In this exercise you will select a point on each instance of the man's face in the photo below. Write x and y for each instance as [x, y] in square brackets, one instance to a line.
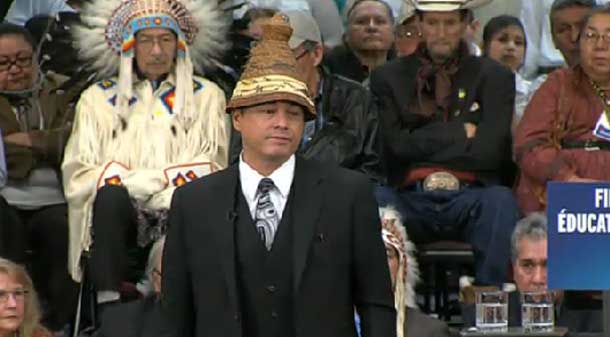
[530, 267]
[308, 61]
[595, 47]
[408, 37]
[155, 52]
[442, 32]
[271, 132]
[566, 24]
[17, 70]
[370, 27]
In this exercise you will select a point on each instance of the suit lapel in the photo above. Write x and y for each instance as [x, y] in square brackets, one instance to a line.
[225, 228]
[306, 204]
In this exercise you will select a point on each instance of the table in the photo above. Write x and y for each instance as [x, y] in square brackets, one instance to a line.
[515, 332]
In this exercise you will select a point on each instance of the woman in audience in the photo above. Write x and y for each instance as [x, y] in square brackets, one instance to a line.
[405, 274]
[35, 119]
[565, 131]
[19, 310]
[504, 41]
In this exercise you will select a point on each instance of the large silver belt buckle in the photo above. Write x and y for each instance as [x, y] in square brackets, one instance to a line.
[441, 181]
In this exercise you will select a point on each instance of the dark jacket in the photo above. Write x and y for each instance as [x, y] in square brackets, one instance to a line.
[342, 61]
[141, 318]
[338, 257]
[419, 324]
[487, 100]
[349, 136]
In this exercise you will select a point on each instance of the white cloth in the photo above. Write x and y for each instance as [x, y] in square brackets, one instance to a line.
[23, 10]
[150, 153]
[524, 90]
[541, 51]
[327, 15]
[282, 178]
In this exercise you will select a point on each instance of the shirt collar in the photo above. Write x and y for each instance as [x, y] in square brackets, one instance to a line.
[282, 177]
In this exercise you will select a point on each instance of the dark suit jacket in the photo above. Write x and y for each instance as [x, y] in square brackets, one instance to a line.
[419, 324]
[338, 257]
[483, 93]
[141, 318]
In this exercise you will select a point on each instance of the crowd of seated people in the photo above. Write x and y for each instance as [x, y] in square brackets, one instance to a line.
[459, 145]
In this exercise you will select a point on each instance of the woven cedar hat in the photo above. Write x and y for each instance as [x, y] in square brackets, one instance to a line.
[271, 74]
[448, 5]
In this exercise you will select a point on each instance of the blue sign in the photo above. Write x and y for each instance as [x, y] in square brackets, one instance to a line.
[579, 236]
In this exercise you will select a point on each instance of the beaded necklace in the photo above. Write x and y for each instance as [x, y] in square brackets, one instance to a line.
[602, 95]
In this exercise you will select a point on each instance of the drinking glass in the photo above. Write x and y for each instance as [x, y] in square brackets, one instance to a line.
[492, 311]
[537, 312]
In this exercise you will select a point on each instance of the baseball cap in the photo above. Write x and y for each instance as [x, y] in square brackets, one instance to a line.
[304, 28]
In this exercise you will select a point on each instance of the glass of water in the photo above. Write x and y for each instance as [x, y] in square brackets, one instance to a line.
[492, 311]
[537, 313]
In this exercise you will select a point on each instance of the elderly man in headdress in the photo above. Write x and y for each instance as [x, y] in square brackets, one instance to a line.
[276, 245]
[446, 117]
[148, 127]
[404, 272]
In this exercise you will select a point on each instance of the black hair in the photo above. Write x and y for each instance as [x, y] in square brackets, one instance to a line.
[12, 29]
[563, 4]
[495, 25]
[356, 3]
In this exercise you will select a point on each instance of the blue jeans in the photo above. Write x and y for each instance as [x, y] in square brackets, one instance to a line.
[482, 216]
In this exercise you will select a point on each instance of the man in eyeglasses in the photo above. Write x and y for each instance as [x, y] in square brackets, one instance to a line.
[345, 130]
[35, 119]
[150, 126]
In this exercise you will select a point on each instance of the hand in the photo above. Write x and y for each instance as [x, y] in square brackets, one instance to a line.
[471, 130]
[576, 179]
[19, 138]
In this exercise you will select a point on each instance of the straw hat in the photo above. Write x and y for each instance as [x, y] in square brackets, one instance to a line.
[271, 72]
[448, 5]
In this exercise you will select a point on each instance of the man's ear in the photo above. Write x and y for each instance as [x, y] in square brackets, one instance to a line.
[318, 54]
[236, 116]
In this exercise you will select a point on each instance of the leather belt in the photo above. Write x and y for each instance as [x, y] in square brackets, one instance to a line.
[587, 145]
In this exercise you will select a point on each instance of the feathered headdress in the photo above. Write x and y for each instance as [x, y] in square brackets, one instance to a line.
[106, 40]
[394, 234]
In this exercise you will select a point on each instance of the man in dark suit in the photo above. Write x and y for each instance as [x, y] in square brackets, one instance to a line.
[446, 118]
[276, 245]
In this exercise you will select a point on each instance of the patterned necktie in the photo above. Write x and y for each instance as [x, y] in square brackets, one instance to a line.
[266, 217]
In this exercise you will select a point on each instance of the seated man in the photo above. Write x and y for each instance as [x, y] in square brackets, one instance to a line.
[144, 317]
[529, 259]
[565, 131]
[138, 136]
[446, 118]
[345, 129]
[368, 40]
[35, 120]
[405, 274]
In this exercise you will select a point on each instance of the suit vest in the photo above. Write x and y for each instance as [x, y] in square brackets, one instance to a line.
[264, 278]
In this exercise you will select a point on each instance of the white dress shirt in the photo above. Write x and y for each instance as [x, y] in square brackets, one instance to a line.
[282, 178]
[23, 10]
